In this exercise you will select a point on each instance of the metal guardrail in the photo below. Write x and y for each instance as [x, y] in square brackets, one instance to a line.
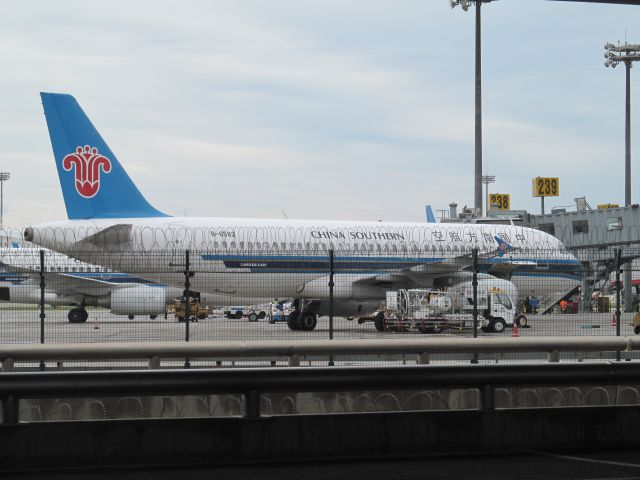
[252, 382]
[155, 353]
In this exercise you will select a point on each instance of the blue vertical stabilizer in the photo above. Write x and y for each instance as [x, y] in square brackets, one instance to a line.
[94, 184]
[431, 218]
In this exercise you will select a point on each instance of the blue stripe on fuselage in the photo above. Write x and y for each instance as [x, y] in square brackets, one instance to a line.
[263, 263]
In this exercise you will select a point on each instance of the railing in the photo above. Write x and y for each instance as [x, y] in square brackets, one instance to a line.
[252, 382]
[155, 353]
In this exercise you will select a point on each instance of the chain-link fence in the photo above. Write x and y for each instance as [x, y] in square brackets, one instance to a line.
[122, 284]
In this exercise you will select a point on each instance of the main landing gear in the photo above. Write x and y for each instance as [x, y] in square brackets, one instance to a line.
[304, 316]
[77, 315]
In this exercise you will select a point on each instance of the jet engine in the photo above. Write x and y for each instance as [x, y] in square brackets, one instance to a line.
[138, 300]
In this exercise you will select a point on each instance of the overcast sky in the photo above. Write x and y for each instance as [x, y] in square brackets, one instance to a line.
[360, 110]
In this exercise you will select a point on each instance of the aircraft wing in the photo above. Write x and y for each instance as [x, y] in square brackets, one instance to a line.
[66, 284]
[61, 283]
[454, 266]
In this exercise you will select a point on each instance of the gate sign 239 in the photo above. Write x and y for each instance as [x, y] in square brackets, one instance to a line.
[545, 187]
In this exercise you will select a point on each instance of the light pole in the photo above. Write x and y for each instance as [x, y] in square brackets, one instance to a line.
[477, 184]
[626, 54]
[614, 55]
[4, 176]
[487, 179]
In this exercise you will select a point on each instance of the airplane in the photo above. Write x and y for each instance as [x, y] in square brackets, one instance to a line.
[253, 261]
[69, 282]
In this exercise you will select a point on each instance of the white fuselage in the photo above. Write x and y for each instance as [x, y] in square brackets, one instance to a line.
[247, 261]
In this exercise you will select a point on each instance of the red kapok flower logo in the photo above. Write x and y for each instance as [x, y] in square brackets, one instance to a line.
[87, 163]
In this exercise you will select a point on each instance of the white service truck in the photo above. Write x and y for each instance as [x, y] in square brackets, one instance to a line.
[436, 311]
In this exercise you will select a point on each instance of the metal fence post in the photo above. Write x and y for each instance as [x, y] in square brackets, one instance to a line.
[252, 405]
[488, 397]
[42, 314]
[331, 285]
[475, 300]
[10, 409]
[187, 299]
[618, 272]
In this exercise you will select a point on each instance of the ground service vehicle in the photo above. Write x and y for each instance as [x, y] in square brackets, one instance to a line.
[253, 315]
[197, 310]
[435, 311]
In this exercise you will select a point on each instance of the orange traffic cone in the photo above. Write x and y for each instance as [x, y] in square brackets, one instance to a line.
[514, 332]
[613, 320]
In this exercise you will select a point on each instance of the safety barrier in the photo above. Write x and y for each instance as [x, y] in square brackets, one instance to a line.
[252, 382]
[155, 353]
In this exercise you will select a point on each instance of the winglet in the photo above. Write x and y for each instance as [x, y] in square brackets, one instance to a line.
[431, 218]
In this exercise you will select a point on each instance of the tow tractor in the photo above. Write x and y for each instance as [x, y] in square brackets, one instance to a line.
[197, 310]
[436, 311]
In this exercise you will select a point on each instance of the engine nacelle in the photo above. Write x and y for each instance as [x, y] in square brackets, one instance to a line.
[138, 300]
[344, 289]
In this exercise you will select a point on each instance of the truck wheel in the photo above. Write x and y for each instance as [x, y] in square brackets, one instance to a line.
[378, 321]
[131, 317]
[521, 320]
[253, 317]
[262, 314]
[636, 329]
[499, 325]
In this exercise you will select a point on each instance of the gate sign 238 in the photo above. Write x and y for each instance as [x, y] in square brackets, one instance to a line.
[545, 187]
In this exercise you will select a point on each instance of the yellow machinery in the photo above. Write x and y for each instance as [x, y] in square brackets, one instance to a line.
[197, 310]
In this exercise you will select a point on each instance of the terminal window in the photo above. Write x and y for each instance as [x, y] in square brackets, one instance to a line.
[549, 228]
[614, 223]
[580, 226]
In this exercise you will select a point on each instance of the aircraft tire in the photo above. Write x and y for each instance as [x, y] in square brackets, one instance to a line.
[292, 320]
[77, 315]
[636, 329]
[131, 317]
[262, 314]
[308, 322]
[153, 317]
[378, 321]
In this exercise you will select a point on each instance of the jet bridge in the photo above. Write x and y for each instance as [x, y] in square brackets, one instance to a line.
[595, 236]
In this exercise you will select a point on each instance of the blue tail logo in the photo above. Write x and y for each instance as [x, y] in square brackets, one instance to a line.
[94, 183]
[503, 247]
